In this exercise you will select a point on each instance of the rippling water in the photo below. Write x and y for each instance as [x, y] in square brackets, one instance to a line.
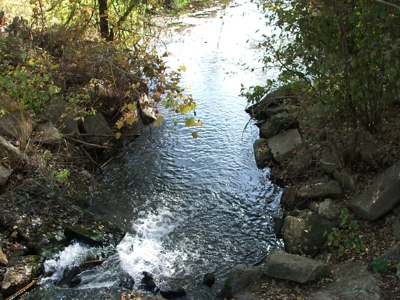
[193, 206]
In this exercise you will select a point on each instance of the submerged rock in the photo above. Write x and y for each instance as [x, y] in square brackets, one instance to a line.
[171, 294]
[209, 279]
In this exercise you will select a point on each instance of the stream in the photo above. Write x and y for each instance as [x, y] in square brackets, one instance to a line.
[191, 206]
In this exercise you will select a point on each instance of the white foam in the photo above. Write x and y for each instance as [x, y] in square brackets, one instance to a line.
[151, 250]
[71, 256]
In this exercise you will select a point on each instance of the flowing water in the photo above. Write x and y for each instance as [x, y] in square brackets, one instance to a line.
[191, 206]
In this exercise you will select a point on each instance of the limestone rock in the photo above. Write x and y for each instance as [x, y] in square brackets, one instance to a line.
[63, 114]
[328, 210]
[353, 281]
[16, 124]
[380, 197]
[47, 134]
[262, 153]
[12, 152]
[96, 126]
[4, 174]
[329, 162]
[283, 144]
[20, 272]
[241, 282]
[346, 180]
[330, 189]
[303, 232]
[276, 124]
[294, 267]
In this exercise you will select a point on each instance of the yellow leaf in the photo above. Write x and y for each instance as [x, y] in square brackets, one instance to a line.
[132, 106]
[158, 122]
[120, 123]
[117, 135]
[199, 123]
[63, 116]
[182, 68]
[130, 119]
[195, 134]
[188, 87]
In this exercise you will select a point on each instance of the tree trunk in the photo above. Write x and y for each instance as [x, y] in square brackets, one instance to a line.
[104, 30]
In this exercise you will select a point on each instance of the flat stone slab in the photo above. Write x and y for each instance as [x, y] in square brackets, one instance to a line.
[330, 189]
[380, 197]
[353, 282]
[283, 144]
[294, 267]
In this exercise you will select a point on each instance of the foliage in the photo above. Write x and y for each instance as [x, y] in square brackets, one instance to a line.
[63, 52]
[380, 265]
[346, 238]
[343, 55]
[62, 175]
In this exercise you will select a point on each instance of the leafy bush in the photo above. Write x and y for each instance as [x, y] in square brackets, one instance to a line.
[346, 238]
[380, 265]
[343, 55]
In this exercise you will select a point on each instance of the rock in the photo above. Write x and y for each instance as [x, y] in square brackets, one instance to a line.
[303, 232]
[171, 294]
[328, 210]
[288, 197]
[294, 267]
[96, 126]
[262, 153]
[147, 109]
[396, 228]
[209, 279]
[380, 197]
[63, 114]
[84, 234]
[314, 206]
[16, 124]
[149, 283]
[20, 272]
[3, 258]
[242, 282]
[278, 224]
[4, 174]
[12, 152]
[283, 144]
[352, 281]
[346, 180]
[127, 281]
[276, 124]
[47, 134]
[330, 189]
[329, 162]
[268, 105]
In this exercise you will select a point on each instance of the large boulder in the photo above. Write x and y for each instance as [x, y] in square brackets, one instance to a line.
[4, 174]
[63, 115]
[294, 267]
[352, 281]
[47, 133]
[268, 106]
[20, 272]
[242, 282]
[97, 128]
[283, 144]
[346, 180]
[330, 189]
[16, 124]
[276, 124]
[262, 153]
[380, 197]
[304, 232]
[10, 151]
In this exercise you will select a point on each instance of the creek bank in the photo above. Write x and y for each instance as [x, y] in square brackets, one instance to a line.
[319, 196]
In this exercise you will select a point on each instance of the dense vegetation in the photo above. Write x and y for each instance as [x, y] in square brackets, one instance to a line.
[97, 54]
[340, 58]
